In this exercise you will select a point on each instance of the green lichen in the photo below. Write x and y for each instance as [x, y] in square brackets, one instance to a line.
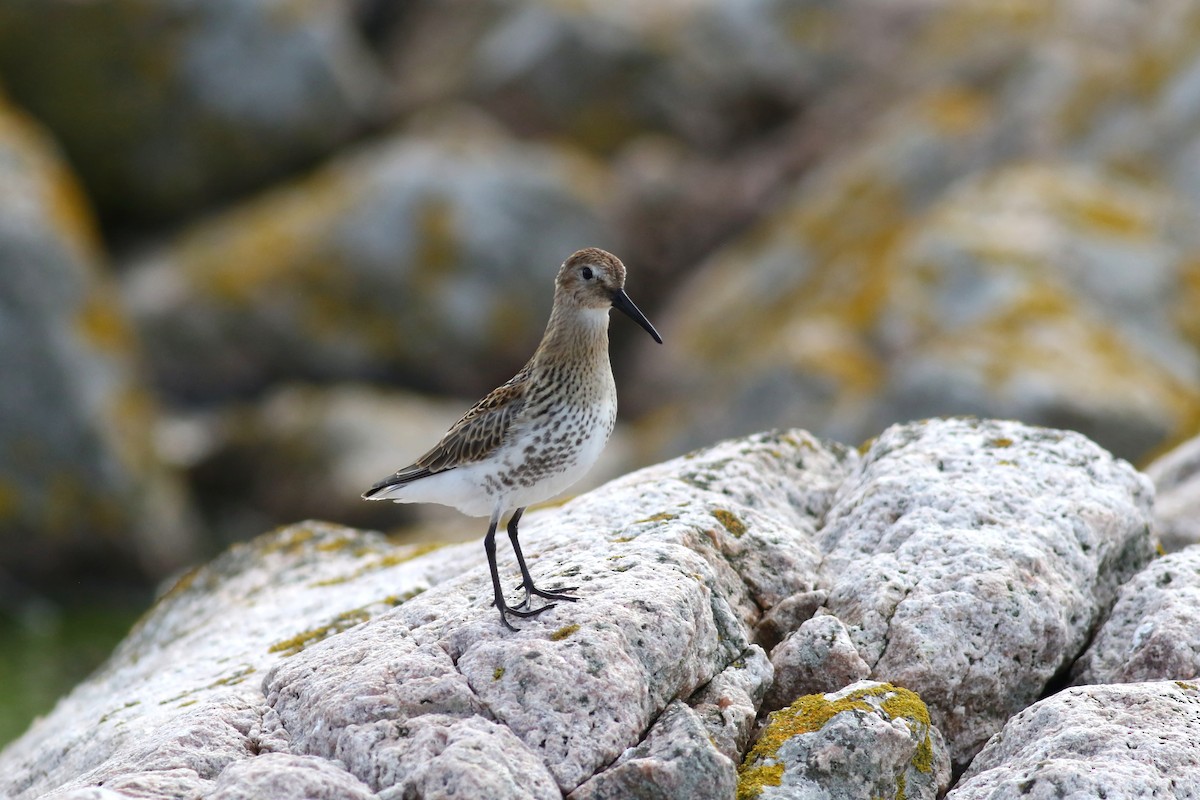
[563, 632]
[810, 713]
[1191, 687]
[342, 622]
[498, 673]
[730, 522]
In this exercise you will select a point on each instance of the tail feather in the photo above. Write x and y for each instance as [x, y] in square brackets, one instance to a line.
[384, 488]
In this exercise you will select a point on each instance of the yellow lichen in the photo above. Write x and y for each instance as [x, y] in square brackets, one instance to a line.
[563, 632]
[811, 713]
[498, 673]
[730, 522]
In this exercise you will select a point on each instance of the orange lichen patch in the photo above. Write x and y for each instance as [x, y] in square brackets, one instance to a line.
[102, 325]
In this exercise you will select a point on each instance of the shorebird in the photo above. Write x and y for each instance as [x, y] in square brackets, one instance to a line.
[531, 438]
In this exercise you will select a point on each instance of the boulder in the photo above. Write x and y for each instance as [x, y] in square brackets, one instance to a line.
[408, 259]
[1125, 740]
[1176, 476]
[165, 106]
[80, 482]
[1153, 630]
[971, 560]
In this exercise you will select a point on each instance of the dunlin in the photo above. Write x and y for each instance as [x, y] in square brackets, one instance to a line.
[531, 438]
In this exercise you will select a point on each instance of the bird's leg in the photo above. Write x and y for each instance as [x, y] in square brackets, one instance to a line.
[489, 547]
[526, 578]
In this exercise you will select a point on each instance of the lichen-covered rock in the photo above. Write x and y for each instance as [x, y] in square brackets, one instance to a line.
[165, 106]
[971, 560]
[409, 258]
[1176, 477]
[1020, 247]
[80, 482]
[819, 657]
[321, 642]
[1153, 631]
[867, 740]
[1126, 740]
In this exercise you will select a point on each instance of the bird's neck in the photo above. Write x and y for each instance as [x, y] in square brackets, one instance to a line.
[577, 335]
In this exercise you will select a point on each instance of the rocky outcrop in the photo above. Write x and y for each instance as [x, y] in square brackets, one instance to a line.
[79, 478]
[965, 561]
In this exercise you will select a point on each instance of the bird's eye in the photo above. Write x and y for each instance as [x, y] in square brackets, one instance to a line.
[586, 272]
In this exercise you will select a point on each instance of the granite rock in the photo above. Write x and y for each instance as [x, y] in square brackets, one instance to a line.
[1153, 630]
[1176, 477]
[818, 657]
[970, 560]
[1125, 740]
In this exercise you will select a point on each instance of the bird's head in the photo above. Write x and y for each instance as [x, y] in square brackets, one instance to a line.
[595, 279]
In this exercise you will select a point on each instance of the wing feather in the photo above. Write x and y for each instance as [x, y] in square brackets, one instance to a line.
[473, 438]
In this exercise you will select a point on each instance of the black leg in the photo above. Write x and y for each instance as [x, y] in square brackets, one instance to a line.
[489, 547]
[526, 578]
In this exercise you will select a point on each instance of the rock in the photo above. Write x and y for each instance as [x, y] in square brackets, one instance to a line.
[1126, 740]
[819, 657]
[310, 451]
[80, 484]
[278, 776]
[166, 106]
[729, 703]
[1176, 477]
[676, 760]
[869, 739]
[392, 667]
[409, 258]
[1153, 631]
[971, 560]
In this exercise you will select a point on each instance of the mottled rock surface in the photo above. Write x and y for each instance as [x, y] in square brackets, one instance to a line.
[1126, 740]
[971, 560]
[819, 657]
[1153, 631]
[869, 739]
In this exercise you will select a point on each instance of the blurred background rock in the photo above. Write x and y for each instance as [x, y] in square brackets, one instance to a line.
[255, 254]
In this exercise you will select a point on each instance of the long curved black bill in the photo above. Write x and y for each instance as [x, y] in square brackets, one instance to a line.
[622, 303]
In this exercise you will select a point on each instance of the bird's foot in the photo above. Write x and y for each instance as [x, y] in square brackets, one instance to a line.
[506, 609]
[531, 590]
